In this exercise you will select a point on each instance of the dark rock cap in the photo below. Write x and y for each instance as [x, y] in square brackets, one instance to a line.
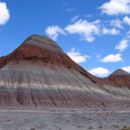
[120, 72]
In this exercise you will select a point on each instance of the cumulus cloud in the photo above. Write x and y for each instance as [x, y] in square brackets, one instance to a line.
[127, 68]
[116, 7]
[54, 31]
[87, 30]
[77, 56]
[126, 20]
[122, 45]
[4, 13]
[116, 23]
[112, 31]
[113, 27]
[112, 58]
[99, 71]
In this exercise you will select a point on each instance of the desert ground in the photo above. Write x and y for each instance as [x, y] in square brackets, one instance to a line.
[63, 120]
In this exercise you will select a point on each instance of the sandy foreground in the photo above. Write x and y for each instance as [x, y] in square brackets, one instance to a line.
[63, 120]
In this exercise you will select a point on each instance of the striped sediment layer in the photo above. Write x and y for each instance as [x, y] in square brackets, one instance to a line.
[39, 74]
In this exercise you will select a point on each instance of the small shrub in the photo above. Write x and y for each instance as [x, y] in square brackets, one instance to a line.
[90, 127]
[32, 129]
[115, 126]
[100, 127]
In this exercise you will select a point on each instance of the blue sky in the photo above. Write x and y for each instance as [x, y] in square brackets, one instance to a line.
[94, 33]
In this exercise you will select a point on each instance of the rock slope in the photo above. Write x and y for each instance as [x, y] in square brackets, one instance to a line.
[38, 74]
[120, 78]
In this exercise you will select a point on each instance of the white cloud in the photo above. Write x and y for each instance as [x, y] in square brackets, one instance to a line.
[112, 27]
[75, 18]
[99, 71]
[87, 30]
[77, 56]
[4, 13]
[116, 23]
[127, 69]
[54, 31]
[112, 31]
[116, 7]
[122, 45]
[126, 20]
[112, 58]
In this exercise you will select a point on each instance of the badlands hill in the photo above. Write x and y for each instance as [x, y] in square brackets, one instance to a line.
[38, 74]
[120, 78]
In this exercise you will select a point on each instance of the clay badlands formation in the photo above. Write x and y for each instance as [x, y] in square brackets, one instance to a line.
[38, 74]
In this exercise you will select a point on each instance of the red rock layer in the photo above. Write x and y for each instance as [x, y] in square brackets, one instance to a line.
[36, 53]
[39, 73]
[118, 81]
[33, 50]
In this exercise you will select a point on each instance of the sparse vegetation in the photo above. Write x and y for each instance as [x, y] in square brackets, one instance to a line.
[90, 127]
[125, 128]
[32, 129]
[100, 127]
[115, 126]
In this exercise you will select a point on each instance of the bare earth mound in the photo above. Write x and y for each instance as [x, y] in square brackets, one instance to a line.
[39, 75]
